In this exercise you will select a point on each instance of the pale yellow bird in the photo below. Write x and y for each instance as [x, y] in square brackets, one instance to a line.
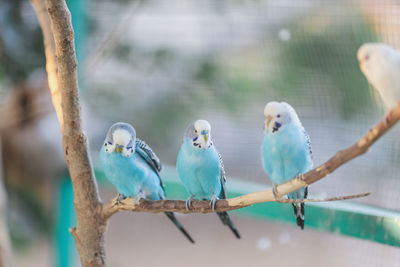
[380, 63]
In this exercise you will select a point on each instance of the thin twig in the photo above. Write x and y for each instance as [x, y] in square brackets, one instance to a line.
[110, 40]
[75, 235]
[303, 200]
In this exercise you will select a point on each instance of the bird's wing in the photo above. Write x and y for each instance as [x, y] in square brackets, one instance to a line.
[308, 142]
[222, 177]
[149, 156]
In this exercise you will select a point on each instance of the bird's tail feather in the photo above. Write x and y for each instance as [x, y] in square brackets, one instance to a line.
[172, 217]
[299, 210]
[226, 220]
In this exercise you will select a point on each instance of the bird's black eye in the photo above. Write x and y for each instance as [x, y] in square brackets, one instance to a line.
[195, 131]
[279, 115]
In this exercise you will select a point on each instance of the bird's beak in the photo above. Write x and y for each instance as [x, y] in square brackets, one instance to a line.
[118, 148]
[205, 137]
[360, 62]
[268, 119]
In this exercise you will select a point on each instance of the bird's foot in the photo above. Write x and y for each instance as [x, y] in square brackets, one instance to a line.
[138, 197]
[189, 202]
[275, 192]
[299, 177]
[120, 197]
[213, 200]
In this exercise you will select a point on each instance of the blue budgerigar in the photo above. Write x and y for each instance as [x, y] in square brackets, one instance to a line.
[133, 168]
[201, 169]
[286, 150]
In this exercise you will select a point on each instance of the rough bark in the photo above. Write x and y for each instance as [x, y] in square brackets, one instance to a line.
[50, 53]
[62, 65]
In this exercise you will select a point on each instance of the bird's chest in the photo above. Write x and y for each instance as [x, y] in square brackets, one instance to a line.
[202, 164]
[120, 169]
[281, 145]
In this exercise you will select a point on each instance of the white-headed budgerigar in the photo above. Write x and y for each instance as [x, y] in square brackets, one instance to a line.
[286, 150]
[380, 63]
[133, 168]
[201, 169]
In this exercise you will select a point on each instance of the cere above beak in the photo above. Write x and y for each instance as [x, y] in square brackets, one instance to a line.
[205, 135]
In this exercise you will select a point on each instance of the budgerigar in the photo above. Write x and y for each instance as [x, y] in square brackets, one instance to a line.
[286, 150]
[133, 168]
[380, 63]
[201, 169]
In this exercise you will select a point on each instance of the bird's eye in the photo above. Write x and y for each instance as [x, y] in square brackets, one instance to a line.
[279, 115]
[366, 57]
[195, 131]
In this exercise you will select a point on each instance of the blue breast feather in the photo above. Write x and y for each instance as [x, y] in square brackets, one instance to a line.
[130, 175]
[286, 154]
[199, 170]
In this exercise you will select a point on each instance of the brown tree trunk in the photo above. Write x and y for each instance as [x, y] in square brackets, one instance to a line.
[63, 82]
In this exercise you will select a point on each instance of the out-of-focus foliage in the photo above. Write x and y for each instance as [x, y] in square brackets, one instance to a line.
[327, 53]
[21, 43]
[28, 219]
[315, 59]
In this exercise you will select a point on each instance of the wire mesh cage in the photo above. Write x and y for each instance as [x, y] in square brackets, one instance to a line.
[160, 65]
[224, 61]
[165, 64]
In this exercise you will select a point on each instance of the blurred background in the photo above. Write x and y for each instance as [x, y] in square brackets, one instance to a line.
[160, 65]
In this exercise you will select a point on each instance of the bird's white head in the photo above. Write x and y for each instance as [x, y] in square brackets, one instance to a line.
[278, 115]
[375, 60]
[121, 138]
[199, 133]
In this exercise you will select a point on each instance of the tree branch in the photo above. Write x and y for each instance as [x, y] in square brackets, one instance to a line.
[303, 200]
[50, 52]
[200, 206]
[89, 232]
[341, 157]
